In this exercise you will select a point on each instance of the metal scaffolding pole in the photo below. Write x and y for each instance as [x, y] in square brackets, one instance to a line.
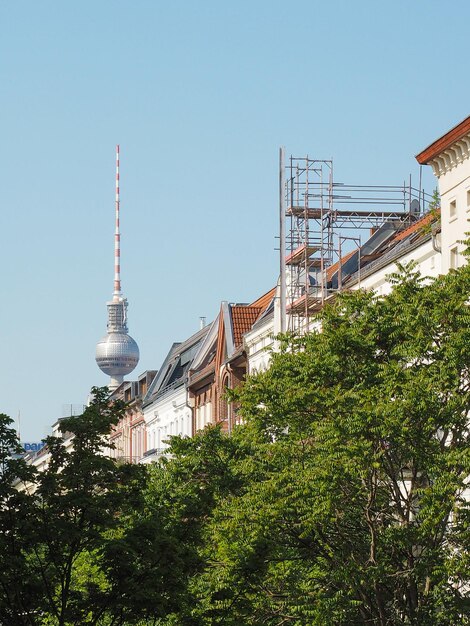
[282, 241]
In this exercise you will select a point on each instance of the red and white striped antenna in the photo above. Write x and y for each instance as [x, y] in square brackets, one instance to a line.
[117, 238]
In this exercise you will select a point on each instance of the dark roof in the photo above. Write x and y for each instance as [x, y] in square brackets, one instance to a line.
[382, 248]
[402, 241]
[175, 367]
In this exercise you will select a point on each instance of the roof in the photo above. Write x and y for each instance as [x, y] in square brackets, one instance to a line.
[176, 365]
[421, 223]
[402, 242]
[385, 246]
[335, 267]
[444, 142]
[367, 252]
[226, 336]
[243, 318]
[206, 351]
[265, 300]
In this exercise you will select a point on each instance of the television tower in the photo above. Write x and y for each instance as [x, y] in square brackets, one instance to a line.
[117, 354]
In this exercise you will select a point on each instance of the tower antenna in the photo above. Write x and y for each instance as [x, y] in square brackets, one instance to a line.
[117, 238]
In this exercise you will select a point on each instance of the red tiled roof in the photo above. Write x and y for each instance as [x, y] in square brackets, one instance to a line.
[444, 142]
[264, 301]
[421, 223]
[243, 318]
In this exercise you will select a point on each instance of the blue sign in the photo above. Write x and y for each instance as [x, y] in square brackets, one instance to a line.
[32, 447]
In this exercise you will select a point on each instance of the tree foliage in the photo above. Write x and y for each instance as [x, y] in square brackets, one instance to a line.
[81, 499]
[19, 584]
[62, 523]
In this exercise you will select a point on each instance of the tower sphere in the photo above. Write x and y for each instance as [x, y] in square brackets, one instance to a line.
[117, 354]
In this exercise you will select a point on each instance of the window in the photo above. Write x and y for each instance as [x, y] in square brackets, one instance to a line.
[454, 258]
[453, 209]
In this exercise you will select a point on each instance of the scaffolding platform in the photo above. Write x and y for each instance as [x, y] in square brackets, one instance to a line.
[309, 304]
[301, 211]
[301, 254]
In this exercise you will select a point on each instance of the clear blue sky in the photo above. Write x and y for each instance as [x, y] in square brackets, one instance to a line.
[200, 95]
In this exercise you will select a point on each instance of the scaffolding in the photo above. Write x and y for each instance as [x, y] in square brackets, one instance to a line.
[319, 220]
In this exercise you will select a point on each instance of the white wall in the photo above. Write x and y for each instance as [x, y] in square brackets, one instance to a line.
[454, 188]
[427, 262]
[167, 415]
[203, 415]
[256, 341]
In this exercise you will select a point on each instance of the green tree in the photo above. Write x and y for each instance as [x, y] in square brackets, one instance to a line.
[93, 542]
[20, 589]
[353, 509]
[82, 498]
[183, 493]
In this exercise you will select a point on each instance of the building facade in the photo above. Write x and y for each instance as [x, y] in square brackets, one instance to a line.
[221, 364]
[128, 439]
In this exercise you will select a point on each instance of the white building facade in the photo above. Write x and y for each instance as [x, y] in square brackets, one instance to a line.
[449, 157]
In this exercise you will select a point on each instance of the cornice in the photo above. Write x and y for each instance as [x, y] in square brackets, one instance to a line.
[449, 150]
[451, 157]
